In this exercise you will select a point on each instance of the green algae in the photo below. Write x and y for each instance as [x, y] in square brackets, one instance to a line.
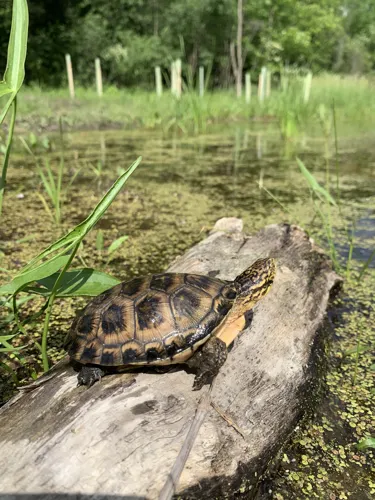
[183, 186]
[323, 459]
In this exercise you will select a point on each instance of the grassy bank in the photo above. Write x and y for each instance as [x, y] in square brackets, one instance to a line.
[353, 100]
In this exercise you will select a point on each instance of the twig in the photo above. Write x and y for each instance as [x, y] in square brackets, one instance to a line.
[228, 420]
[170, 484]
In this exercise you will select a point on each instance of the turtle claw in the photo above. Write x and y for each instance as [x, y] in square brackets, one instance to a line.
[207, 362]
[89, 375]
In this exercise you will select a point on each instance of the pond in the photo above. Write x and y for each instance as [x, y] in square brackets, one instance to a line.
[184, 184]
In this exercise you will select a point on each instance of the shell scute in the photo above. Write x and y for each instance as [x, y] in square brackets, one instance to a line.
[91, 352]
[134, 287]
[154, 351]
[167, 282]
[131, 351]
[116, 324]
[111, 355]
[86, 324]
[189, 306]
[153, 317]
[113, 319]
[205, 284]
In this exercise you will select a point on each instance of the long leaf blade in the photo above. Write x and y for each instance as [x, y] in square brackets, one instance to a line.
[4, 338]
[42, 271]
[313, 183]
[7, 106]
[4, 89]
[17, 47]
[76, 283]
[105, 202]
[80, 231]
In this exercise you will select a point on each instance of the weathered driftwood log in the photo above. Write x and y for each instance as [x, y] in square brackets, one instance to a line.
[122, 436]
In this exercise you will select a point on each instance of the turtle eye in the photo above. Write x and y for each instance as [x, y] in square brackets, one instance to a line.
[230, 294]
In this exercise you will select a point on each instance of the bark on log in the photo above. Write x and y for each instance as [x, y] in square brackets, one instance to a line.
[122, 436]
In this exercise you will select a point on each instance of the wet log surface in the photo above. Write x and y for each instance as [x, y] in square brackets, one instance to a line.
[123, 435]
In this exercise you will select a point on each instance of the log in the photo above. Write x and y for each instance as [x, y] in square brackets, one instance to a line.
[123, 435]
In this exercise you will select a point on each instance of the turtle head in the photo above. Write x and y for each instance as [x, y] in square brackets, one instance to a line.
[255, 282]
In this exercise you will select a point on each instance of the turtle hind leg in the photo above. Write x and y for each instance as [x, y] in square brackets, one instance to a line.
[89, 375]
[207, 361]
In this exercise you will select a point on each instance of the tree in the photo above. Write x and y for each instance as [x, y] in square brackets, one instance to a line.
[131, 36]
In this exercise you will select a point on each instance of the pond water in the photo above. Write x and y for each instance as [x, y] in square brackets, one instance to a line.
[184, 184]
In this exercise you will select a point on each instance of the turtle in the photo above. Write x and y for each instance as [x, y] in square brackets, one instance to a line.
[165, 319]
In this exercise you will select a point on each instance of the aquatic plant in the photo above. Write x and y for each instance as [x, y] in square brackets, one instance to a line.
[37, 142]
[322, 199]
[48, 273]
[365, 443]
[192, 114]
[52, 185]
[113, 247]
[98, 169]
[13, 78]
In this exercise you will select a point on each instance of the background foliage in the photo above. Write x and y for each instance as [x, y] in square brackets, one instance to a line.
[132, 36]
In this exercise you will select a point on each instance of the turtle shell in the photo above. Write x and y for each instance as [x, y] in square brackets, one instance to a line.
[158, 319]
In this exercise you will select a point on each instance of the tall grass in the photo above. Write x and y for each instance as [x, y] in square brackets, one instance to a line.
[9, 86]
[52, 182]
[354, 103]
[13, 78]
[323, 200]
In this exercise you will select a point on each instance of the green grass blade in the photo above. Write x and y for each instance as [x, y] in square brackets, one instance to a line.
[20, 301]
[284, 207]
[73, 178]
[116, 244]
[45, 205]
[99, 210]
[319, 190]
[99, 243]
[45, 182]
[11, 349]
[6, 107]
[328, 230]
[366, 264]
[27, 147]
[4, 338]
[52, 185]
[357, 349]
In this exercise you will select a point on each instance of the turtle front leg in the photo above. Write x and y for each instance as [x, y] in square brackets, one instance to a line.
[89, 375]
[207, 361]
